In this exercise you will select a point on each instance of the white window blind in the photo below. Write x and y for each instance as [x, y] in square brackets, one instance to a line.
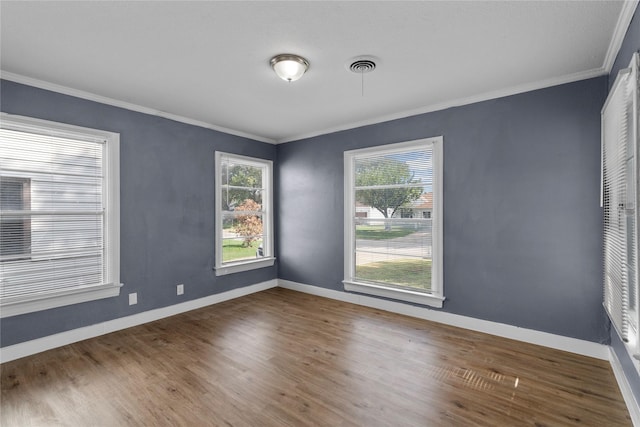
[393, 221]
[619, 198]
[54, 217]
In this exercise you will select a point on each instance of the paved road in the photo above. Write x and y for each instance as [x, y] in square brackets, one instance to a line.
[416, 245]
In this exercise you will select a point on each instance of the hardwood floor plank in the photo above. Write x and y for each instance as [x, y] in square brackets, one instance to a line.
[283, 358]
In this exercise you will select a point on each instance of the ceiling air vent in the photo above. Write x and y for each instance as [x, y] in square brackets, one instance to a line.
[361, 66]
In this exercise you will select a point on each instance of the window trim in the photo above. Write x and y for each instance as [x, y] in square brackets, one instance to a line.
[436, 297]
[111, 202]
[221, 268]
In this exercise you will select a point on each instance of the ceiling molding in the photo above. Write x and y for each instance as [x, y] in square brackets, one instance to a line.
[624, 19]
[41, 84]
[501, 93]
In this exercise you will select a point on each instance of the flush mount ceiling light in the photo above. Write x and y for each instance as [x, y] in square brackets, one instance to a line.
[289, 67]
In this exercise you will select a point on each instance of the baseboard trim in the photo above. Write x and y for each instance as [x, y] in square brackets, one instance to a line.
[573, 345]
[29, 348]
[545, 339]
[625, 388]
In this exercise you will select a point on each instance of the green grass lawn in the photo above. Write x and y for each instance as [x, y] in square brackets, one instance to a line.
[378, 232]
[232, 250]
[414, 273]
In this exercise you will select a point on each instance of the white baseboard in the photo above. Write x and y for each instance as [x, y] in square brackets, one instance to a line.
[545, 339]
[28, 348]
[625, 388]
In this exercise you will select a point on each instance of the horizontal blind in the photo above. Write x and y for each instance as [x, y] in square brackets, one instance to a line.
[393, 221]
[51, 213]
[619, 201]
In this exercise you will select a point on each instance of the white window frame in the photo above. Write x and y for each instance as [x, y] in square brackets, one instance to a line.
[111, 202]
[436, 297]
[223, 268]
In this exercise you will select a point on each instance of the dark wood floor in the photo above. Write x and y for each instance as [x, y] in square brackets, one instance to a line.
[283, 358]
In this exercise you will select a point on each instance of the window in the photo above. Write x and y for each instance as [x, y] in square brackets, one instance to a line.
[406, 213]
[620, 121]
[15, 232]
[396, 252]
[244, 219]
[59, 215]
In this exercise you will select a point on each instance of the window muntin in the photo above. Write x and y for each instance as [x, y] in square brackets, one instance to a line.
[393, 221]
[67, 249]
[243, 213]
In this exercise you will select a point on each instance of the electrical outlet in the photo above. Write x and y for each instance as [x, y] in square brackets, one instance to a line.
[133, 298]
[180, 289]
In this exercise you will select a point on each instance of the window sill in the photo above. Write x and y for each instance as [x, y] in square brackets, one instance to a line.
[15, 306]
[237, 267]
[393, 293]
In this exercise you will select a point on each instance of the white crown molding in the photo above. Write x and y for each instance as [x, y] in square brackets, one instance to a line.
[544, 339]
[528, 87]
[28, 348]
[624, 19]
[625, 388]
[500, 93]
[41, 84]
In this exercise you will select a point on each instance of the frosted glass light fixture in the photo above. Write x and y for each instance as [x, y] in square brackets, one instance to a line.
[289, 67]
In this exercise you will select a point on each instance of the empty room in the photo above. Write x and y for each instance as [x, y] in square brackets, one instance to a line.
[319, 213]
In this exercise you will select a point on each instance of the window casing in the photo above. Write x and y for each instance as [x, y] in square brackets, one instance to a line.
[59, 215]
[244, 213]
[395, 251]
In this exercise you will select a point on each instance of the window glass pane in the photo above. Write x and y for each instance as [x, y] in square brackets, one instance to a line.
[394, 270]
[401, 202]
[412, 167]
[394, 252]
[241, 199]
[66, 235]
[403, 237]
[631, 261]
[241, 175]
[242, 237]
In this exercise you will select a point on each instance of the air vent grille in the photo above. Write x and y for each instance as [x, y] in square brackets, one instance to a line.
[362, 66]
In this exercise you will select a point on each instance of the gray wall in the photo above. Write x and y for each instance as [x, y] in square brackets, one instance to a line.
[630, 45]
[166, 215]
[522, 222]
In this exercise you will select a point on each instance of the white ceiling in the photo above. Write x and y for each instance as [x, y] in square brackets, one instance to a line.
[207, 62]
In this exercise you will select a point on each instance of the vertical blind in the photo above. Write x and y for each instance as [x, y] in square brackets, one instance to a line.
[393, 196]
[51, 214]
[619, 175]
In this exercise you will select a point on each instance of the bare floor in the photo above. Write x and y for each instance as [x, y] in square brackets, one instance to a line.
[283, 358]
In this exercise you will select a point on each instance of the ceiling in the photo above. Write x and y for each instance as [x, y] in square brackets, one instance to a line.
[207, 62]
